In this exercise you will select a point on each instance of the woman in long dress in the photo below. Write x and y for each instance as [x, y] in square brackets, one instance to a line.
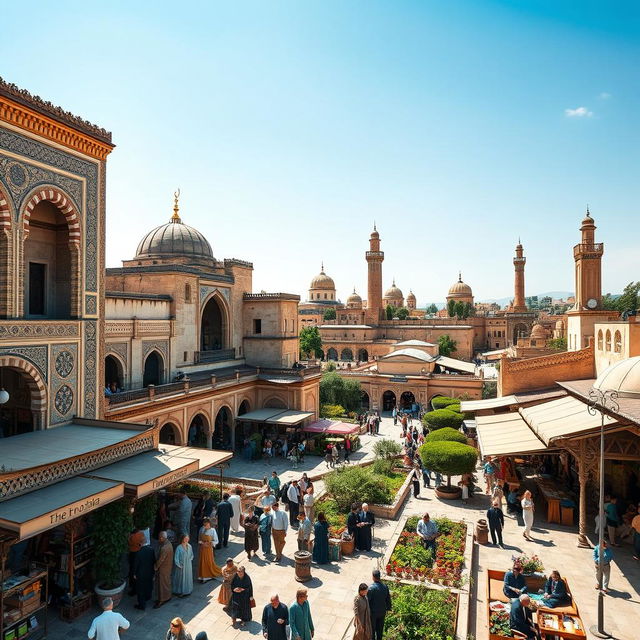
[228, 572]
[183, 575]
[207, 540]
[321, 540]
[264, 529]
[250, 524]
[527, 513]
[241, 594]
[362, 615]
[236, 502]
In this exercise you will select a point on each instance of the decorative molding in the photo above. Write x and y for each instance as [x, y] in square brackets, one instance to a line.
[64, 373]
[90, 371]
[162, 346]
[118, 328]
[64, 399]
[207, 290]
[90, 305]
[37, 355]
[544, 362]
[38, 329]
[121, 349]
[64, 363]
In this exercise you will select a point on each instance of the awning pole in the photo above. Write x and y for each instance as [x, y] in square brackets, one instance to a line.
[220, 482]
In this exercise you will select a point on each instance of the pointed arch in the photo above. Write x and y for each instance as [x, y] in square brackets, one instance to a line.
[6, 255]
[215, 323]
[35, 383]
[153, 370]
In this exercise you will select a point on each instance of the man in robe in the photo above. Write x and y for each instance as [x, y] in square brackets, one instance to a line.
[366, 520]
[352, 526]
[224, 514]
[164, 567]
[181, 509]
[143, 571]
[275, 618]
[300, 621]
[235, 501]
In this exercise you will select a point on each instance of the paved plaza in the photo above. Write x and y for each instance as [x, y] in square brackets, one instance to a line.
[333, 586]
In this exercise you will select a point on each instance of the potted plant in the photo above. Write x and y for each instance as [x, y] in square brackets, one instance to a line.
[111, 526]
[448, 458]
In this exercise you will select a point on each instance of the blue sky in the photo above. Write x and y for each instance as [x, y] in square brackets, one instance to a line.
[291, 126]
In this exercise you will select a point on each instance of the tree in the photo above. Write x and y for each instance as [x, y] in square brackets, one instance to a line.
[459, 309]
[432, 309]
[310, 342]
[386, 449]
[448, 458]
[559, 344]
[329, 314]
[335, 390]
[446, 346]
[390, 311]
[442, 402]
[352, 395]
[402, 313]
[469, 310]
[628, 301]
[442, 418]
[451, 307]
[446, 434]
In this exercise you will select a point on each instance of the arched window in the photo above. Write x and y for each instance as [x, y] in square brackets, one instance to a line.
[599, 340]
[153, 369]
[213, 327]
[608, 341]
[187, 293]
[113, 375]
[617, 342]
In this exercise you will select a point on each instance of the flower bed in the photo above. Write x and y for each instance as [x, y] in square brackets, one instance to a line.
[420, 613]
[335, 517]
[411, 561]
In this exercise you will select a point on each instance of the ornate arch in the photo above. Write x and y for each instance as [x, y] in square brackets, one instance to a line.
[225, 312]
[277, 397]
[239, 402]
[207, 419]
[177, 430]
[6, 255]
[119, 358]
[66, 206]
[36, 384]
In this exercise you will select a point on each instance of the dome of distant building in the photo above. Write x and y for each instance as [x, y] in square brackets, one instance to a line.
[174, 239]
[538, 331]
[459, 288]
[322, 281]
[354, 298]
[411, 296]
[393, 292]
[623, 377]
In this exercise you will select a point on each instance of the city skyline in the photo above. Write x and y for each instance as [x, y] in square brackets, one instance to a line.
[457, 129]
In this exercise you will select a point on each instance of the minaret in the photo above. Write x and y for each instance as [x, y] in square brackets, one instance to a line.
[374, 288]
[588, 258]
[519, 305]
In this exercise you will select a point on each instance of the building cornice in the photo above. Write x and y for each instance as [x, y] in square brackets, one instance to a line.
[30, 113]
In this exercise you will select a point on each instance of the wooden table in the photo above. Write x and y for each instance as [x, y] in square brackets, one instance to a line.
[552, 496]
[548, 630]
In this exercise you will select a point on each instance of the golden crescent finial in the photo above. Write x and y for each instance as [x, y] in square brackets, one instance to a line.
[176, 216]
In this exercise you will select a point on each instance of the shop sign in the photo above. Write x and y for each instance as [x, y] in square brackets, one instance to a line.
[169, 478]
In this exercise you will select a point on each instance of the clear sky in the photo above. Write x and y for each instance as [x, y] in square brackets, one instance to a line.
[291, 126]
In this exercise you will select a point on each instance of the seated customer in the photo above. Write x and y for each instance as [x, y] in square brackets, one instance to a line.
[555, 592]
[514, 584]
[520, 617]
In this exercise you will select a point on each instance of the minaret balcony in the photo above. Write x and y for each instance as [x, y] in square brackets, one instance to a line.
[375, 255]
[595, 250]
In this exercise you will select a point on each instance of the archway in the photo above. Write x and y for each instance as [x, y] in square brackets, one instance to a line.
[6, 246]
[113, 374]
[519, 331]
[25, 410]
[332, 354]
[212, 326]
[222, 433]
[243, 430]
[388, 400]
[153, 369]
[320, 354]
[346, 354]
[244, 408]
[363, 355]
[275, 403]
[169, 434]
[365, 401]
[406, 400]
[198, 430]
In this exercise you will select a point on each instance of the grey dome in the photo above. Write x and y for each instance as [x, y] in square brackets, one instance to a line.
[174, 239]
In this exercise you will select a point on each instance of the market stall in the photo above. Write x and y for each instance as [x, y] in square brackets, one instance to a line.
[321, 432]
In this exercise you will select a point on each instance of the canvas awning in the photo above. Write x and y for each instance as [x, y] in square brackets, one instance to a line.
[290, 417]
[489, 403]
[206, 457]
[35, 512]
[329, 427]
[506, 434]
[560, 418]
[459, 365]
[259, 415]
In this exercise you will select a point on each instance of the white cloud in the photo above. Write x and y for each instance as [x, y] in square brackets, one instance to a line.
[579, 112]
[604, 95]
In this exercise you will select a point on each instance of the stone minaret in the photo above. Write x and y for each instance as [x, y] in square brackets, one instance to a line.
[588, 257]
[519, 305]
[374, 289]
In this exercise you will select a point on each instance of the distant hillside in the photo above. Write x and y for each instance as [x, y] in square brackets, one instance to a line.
[555, 295]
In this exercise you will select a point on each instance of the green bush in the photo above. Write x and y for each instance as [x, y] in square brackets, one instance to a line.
[442, 402]
[448, 458]
[419, 613]
[144, 511]
[386, 449]
[331, 410]
[355, 484]
[446, 434]
[111, 526]
[442, 418]
[336, 517]
[382, 467]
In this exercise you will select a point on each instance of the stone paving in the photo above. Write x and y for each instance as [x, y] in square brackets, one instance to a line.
[333, 586]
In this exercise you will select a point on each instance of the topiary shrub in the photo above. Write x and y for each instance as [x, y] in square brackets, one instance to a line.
[448, 458]
[386, 449]
[144, 511]
[111, 526]
[446, 434]
[442, 402]
[355, 484]
[442, 418]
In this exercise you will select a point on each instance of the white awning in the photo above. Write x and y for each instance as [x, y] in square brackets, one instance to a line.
[564, 417]
[489, 403]
[206, 457]
[506, 434]
[290, 417]
[452, 363]
[259, 415]
[57, 504]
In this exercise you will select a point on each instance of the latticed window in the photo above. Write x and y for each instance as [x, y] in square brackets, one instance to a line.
[600, 340]
[617, 342]
[608, 341]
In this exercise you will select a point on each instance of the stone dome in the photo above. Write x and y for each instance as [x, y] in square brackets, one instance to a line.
[174, 239]
[393, 292]
[538, 331]
[411, 296]
[460, 288]
[323, 281]
[622, 376]
[354, 298]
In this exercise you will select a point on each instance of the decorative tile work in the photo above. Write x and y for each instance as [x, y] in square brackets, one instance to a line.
[90, 305]
[64, 399]
[37, 355]
[90, 354]
[31, 329]
[206, 290]
[64, 363]
[120, 349]
[64, 373]
[159, 345]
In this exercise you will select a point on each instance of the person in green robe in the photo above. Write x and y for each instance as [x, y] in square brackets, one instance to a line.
[321, 540]
[300, 621]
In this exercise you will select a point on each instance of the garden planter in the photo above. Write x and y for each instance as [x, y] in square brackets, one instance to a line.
[482, 531]
[448, 493]
[348, 545]
[114, 594]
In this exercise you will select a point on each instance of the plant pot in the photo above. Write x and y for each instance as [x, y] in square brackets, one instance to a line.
[114, 594]
[348, 546]
[448, 493]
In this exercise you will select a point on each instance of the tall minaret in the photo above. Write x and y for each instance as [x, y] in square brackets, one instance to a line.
[588, 257]
[519, 305]
[374, 288]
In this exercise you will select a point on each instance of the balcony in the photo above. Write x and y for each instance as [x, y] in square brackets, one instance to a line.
[596, 248]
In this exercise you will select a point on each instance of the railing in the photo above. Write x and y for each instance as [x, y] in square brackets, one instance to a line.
[295, 373]
[597, 247]
[216, 355]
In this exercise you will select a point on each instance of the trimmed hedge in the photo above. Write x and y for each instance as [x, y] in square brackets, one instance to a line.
[442, 402]
[442, 418]
[448, 458]
[446, 434]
